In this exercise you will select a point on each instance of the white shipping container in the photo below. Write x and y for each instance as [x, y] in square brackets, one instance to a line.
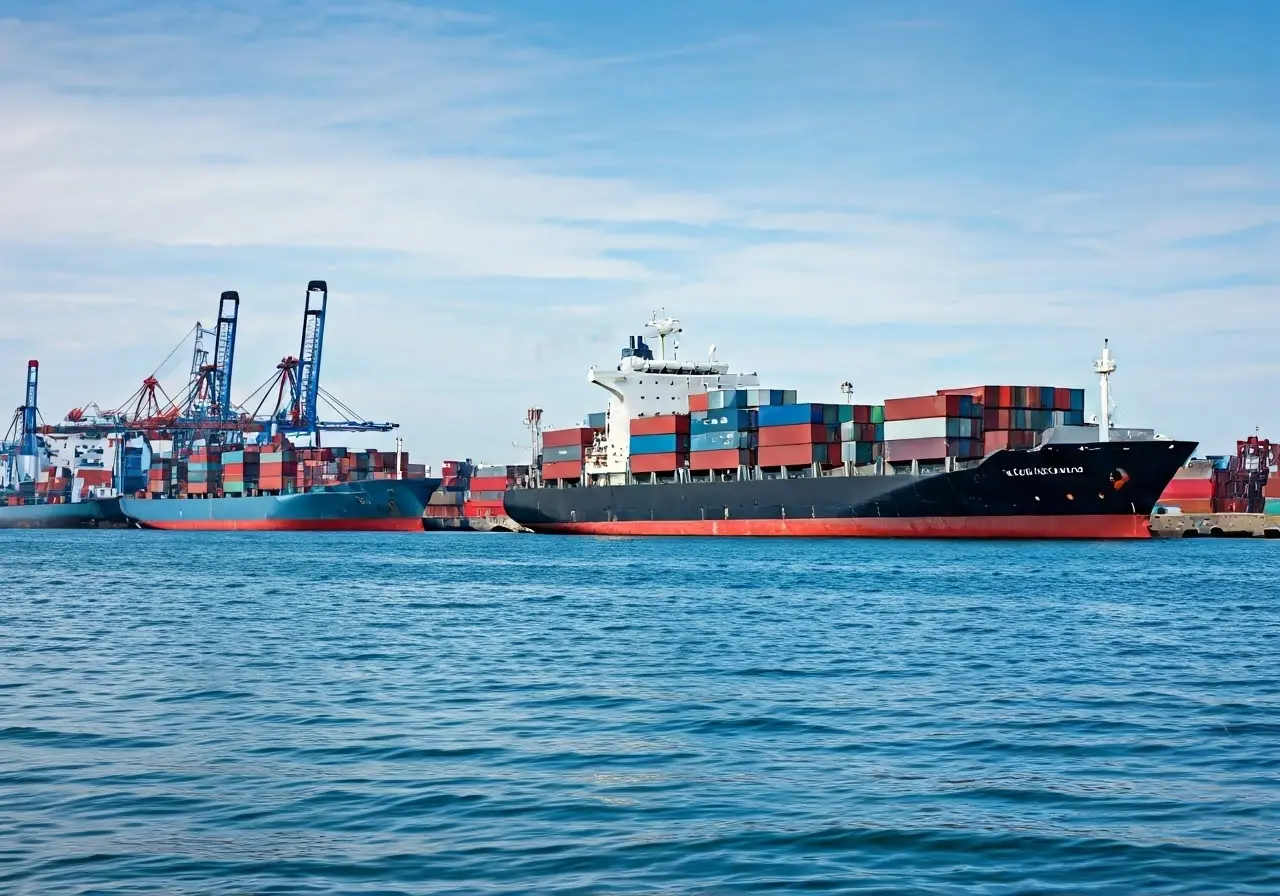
[931, 428]
[921, 428]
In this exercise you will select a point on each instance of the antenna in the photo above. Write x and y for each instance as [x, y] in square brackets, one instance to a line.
[711, 354]
[1104, 367]
[533, 422]
[664, 327]
[846, 389]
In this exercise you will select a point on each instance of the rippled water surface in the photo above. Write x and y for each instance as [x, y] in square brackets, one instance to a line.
[288, 713]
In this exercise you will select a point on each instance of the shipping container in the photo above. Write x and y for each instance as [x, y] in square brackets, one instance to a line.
[795, 414]
[663, 424]
[725, 459]
[953, 405]
[698, 401]
[489, 483]
[793, 455]
[669, 443]
[1002, 439]
[597, 420]
[931, 449]
[569, 469]
[720, 441]
[933, 428]
[658, 463]
[568, 452]
[798, 434]
[859, 452]
[1187, 489]
[726, 420]
[861, 432]
[1271, 506]
[555, 438]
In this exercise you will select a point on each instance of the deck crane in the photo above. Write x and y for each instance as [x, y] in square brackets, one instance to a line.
[296, 383]
[209, 394]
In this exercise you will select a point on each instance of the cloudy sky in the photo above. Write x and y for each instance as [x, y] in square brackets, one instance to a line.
[907, 195]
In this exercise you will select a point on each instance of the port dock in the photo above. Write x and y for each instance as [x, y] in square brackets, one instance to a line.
[1215, 525]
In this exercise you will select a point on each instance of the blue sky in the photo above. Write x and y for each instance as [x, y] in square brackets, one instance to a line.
[905, 195]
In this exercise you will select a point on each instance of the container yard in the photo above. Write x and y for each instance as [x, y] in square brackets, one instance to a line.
[202, 461]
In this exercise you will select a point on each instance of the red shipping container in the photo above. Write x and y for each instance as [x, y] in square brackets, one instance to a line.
[793, 455]
[564, 469]
[723, 459]
[657, 463]
[489, 483]
[700, 401]
[563, 438]
[796, 434]
[1187, 489]
[922, 406]
[443, 511]
[988, 396]
[665, 424]
[1272, 488]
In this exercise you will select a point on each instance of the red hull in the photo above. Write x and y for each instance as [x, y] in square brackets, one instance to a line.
[410, 524]
[1082, 526]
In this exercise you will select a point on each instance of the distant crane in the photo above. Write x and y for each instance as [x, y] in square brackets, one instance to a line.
[23, 448]
[296, 383]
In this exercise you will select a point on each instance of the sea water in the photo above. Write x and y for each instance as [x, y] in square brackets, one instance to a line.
[452, 713]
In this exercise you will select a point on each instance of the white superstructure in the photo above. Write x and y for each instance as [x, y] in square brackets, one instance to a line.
[644, 386]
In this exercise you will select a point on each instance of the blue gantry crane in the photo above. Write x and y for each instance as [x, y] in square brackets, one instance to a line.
[20, 445]
[296, 384]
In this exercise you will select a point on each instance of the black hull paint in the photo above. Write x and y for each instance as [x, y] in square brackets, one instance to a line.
[92, 514]
[1053, 489]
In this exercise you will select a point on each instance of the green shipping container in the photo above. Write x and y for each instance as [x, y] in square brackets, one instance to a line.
[877, 413]
[1271, 507]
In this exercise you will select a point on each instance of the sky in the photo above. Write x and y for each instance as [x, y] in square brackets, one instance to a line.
[905, 195]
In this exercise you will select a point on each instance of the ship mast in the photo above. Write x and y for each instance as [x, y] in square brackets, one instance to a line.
[1104, 367]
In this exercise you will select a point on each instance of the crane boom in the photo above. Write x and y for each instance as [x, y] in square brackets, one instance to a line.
[224, 351]
[306, 395]
[28, 411]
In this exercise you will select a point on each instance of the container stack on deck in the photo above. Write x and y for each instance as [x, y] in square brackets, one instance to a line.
[240, 471]
[932, 428]
[659, 444]
[564, 451]
[1191, 490]
[799, 435]
[204, 472]
[446, 502]
[861, 433]
[489, 486]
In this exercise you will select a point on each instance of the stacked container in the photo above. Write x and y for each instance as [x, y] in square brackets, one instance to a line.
[1015, 416]
[204, 471]
[446, 502]
[799, 435]
[1191, 489]
[159, 476]
[932, 428]
[861, 433]
[659, 444]
[240, 471]
[563, 452]
[489, 486]
[723, 439]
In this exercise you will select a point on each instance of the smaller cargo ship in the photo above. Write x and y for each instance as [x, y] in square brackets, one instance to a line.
[374, 506]
[281, 487]
[50, 482]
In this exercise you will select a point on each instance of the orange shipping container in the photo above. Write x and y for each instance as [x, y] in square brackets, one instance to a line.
[723, 459]
[700, 401]
[657, 463]
[563, 438]
[565, 469]
[796, 434]
[664, 424]
[922, 406]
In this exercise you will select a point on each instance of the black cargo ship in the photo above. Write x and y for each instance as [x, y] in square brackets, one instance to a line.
[1092, 490]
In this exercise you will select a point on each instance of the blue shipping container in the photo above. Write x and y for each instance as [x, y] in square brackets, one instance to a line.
[566, 452]
[724, 420]
[792, 414]
[1077, 400]
[718, 441]
[596, 421]
[659, 444]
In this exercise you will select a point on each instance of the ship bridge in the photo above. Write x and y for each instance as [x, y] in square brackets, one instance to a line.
[643, 386]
